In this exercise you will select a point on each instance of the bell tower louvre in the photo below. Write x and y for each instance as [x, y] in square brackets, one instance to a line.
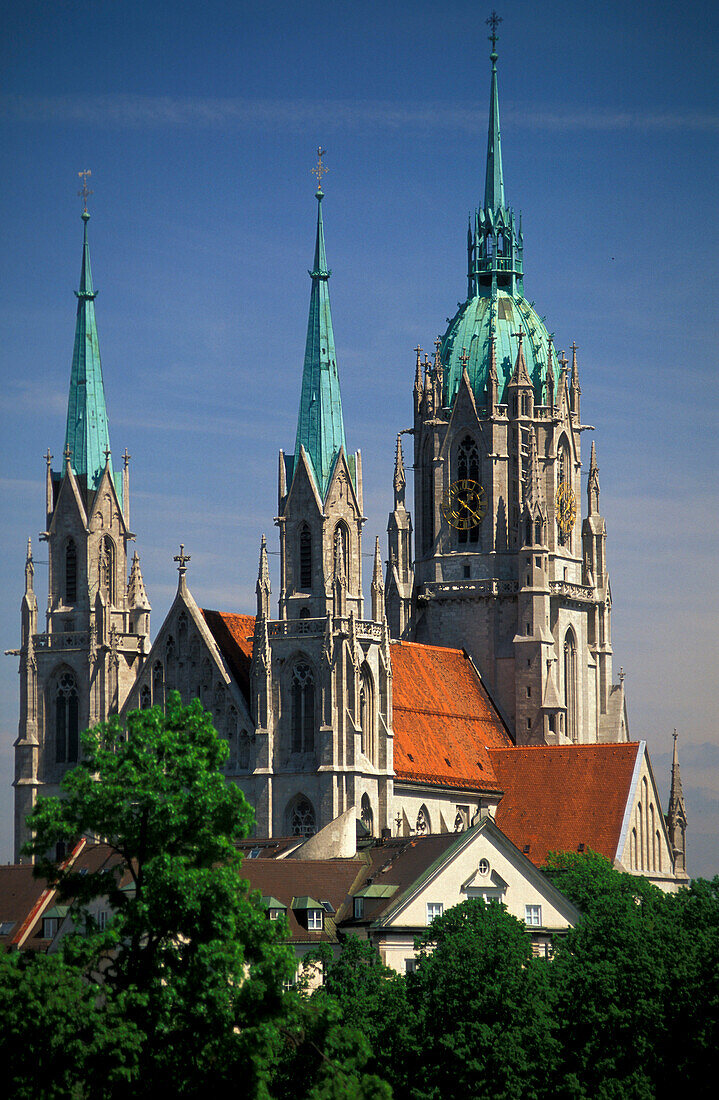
[505, 566]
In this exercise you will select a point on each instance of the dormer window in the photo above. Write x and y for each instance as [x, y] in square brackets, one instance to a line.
[273, 906]
[309, 913]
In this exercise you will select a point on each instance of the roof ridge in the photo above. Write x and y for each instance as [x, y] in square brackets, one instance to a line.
[555, 748]
[425, 645]
[440, 713]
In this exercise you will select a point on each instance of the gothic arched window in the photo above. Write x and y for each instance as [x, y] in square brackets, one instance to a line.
[366, 815]
[300, 817]
[170, 647]
[570, 685]
[305, 558]
[182, 633]
[340, 548]
[107, 568]
[243, 751]
[303, 709]
[423, 826]
[145, 699]
[158, 684]
[67, 714]
[468, 470]
[367, 709]
[70, 572]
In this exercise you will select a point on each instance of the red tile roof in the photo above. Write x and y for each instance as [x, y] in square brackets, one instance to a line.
[234, 635]
[557, 797]
[444, 721]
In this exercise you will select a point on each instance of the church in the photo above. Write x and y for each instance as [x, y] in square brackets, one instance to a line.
[479, 681]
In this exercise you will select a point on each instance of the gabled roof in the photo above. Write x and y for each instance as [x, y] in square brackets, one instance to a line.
[19, 894]
[444, 721]
[557, 797]
[234, 635]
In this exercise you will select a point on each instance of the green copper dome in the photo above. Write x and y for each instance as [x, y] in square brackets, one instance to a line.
[495, 304]
[468, 340]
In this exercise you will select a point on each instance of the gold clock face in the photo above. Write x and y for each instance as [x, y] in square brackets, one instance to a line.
[465, 504]
[566, 508]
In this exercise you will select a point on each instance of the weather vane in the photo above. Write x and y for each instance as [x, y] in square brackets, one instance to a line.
[320, 170]
[493, 22]
[84, 191]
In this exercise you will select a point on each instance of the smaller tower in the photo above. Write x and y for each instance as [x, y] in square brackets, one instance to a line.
[677, 816]
[80, 670]
[400, 574]
[321, 677]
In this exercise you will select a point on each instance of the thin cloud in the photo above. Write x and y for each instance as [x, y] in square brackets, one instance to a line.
[155, 112]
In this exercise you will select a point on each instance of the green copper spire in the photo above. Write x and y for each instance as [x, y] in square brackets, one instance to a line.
[494, 179]
[87, 438]
[320, 428]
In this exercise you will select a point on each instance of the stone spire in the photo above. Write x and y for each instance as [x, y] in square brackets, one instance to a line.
[87, 437]
[29, 570]
[263, 583]
[550, 372]
[593, 484]
[378, 611]
[320, 428]
[400, 478]
[677, 814]
[136, 593]
[575, 389]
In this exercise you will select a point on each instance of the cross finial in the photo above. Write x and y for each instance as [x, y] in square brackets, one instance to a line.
[320, 170]
[67, 455]
[464, 358]
[48, 457]
[519, 335]
[675, 733]
[493, 22]
[84, 191]
[621, 675]
[107, 453]
[182, 558]
[563, 361]
[126, 457]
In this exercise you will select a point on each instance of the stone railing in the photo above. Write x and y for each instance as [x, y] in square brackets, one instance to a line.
[572, 591]
[68, 639]
[295, 628]
[301, 628]
[460, 589]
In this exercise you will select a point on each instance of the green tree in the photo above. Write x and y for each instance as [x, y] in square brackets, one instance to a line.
[57, 1035]
[188, 958]
[637, 983]
[481, 1001]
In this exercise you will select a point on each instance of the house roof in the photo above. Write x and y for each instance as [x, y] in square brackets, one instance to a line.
[292, 880]
[557, 797]
[444, 721]
[19, 895]
[234, 635]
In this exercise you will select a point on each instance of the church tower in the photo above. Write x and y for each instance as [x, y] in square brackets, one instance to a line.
[97, 627]
[504, 566]
[321, 671]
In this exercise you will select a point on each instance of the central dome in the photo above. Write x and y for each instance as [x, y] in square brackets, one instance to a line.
[468, 340]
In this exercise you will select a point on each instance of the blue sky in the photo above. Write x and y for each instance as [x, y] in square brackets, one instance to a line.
[200, 122]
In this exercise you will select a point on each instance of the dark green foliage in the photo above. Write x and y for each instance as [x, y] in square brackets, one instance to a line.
[481, 1003]
[189, 959]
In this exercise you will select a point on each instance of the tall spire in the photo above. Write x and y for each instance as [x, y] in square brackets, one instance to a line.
[320, 428]
[87, 436]
[494, 179]
[677, 815]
